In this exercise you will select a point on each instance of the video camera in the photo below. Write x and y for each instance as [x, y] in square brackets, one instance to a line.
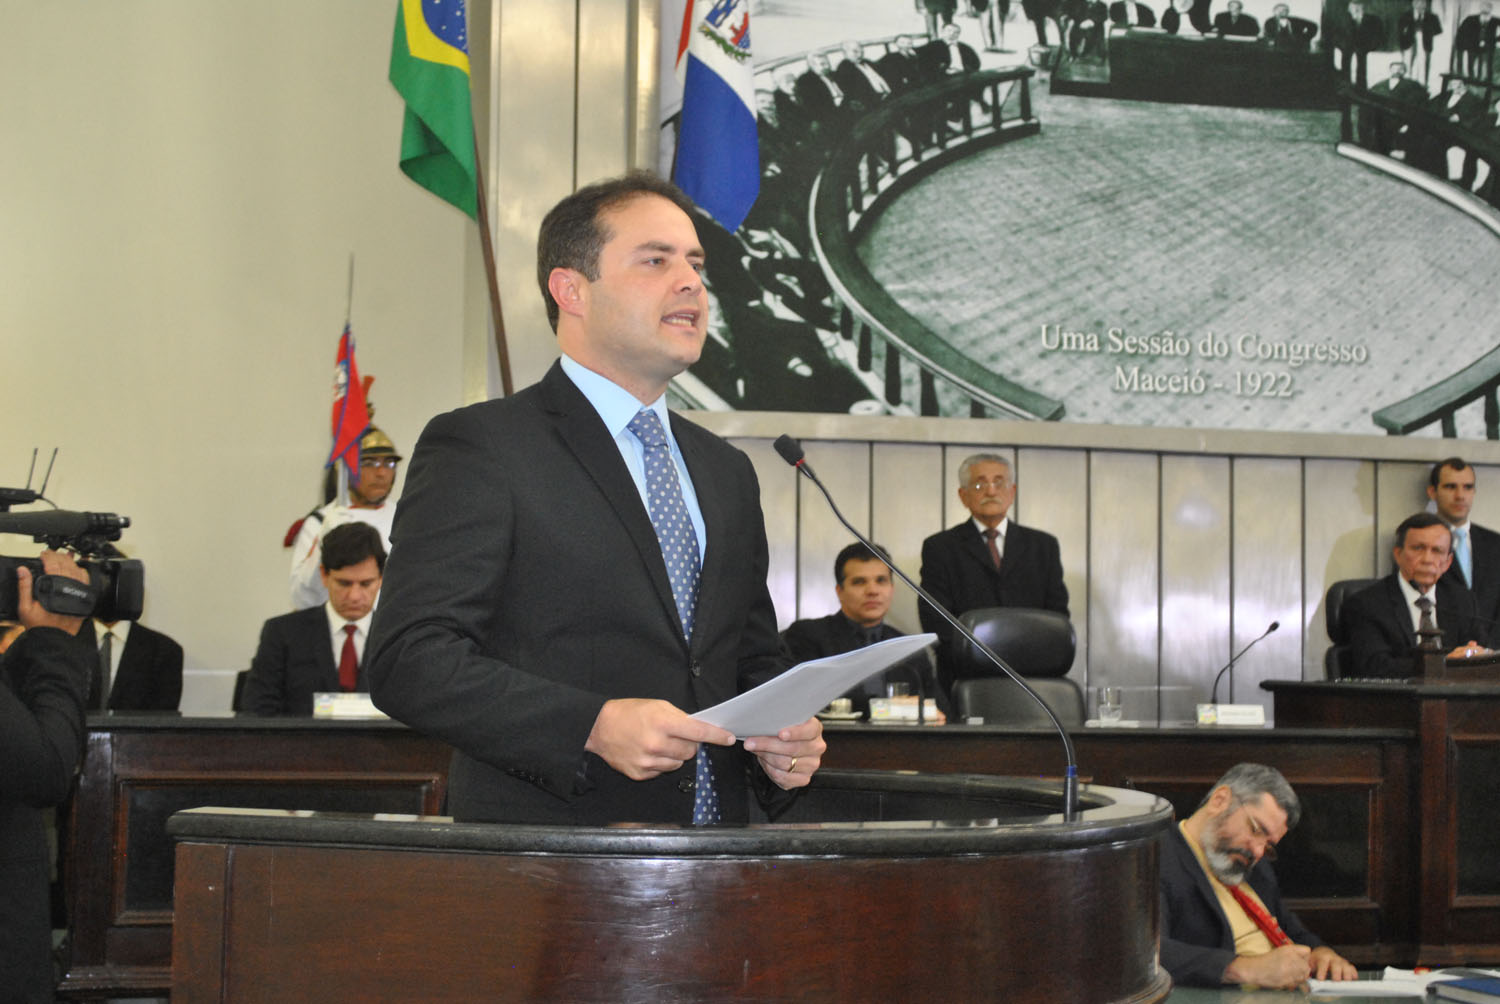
[116, 587]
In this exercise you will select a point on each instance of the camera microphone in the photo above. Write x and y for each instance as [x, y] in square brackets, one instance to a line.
[61, 523]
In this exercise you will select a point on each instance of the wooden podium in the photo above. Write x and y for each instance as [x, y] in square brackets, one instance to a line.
[883, 886]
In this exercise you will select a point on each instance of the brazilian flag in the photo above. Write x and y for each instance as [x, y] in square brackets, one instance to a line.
[430, 69]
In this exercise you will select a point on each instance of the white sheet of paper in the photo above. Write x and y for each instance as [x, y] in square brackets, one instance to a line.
[805, 689]
[1393, 982]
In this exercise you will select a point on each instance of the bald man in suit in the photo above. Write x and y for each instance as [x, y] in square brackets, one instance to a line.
[988, 560]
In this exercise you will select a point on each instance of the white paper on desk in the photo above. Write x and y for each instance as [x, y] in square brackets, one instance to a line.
[1393, 982]
[805, 689]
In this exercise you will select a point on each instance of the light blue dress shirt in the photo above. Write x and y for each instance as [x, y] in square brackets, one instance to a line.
[616, 407]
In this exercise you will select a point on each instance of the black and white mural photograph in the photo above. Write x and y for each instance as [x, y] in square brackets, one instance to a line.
[1255, 215]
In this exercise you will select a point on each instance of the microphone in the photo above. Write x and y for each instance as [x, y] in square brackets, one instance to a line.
[62, 524]
[1214, 697]
[791, 451]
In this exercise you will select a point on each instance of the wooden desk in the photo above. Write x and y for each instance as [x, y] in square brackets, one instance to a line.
[1338, 867]
[1342, 869]
[886, 886]
[1455, 804]
[139, 769]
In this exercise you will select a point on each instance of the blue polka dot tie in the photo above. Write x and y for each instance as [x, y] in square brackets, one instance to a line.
[679, 549]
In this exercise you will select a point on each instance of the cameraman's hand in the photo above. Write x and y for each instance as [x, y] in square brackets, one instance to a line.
[32, 613]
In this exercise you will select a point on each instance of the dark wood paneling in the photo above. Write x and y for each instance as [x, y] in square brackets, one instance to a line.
[1345, 868]
[1451, 806]
[847, 922]
[117, 862]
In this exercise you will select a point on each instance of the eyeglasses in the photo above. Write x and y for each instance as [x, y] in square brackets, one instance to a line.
[386, 462]
[983, 486]
[1259, 832]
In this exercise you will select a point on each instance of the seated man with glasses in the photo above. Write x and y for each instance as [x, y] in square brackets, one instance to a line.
[987, 560]
[369, 502]
[1222, 918]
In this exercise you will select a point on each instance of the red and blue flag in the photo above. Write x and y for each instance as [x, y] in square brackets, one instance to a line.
[351, 412]
[718, 151]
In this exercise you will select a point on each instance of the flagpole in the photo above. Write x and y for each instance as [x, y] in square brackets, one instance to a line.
[349, 302]
[488, 250]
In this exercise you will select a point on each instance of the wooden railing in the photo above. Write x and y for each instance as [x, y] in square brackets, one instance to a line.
[1441, 401]
[861, 177]
[1375, 122]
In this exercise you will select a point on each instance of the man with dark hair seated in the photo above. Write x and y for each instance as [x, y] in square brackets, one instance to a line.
[1384, 620]
[1222, 918]
[321, 649]
[862, 582]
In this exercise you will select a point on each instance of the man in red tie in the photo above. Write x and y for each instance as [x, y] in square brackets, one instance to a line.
[1222, 917]
[320, 649]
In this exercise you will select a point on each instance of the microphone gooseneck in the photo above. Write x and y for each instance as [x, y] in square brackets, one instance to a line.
[791, 451]
[1214, 696]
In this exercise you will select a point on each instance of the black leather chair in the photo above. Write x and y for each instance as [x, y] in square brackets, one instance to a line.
[237, 702]
[1336, 661]
[1038, 644]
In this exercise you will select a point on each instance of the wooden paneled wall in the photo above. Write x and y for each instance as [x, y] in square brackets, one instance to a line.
[1178, 547]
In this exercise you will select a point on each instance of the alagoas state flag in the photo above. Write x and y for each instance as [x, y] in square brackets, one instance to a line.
[718, 155]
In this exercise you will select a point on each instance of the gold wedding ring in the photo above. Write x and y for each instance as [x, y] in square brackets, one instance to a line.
[793, 767]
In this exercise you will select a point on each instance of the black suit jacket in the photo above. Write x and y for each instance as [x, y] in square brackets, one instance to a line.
[901, 71]
[1406, 29]
[44, 680]
[818, 102]
[857, 87]
[149, 676]
[1244, 26]
[1381, 639]
[1351, 39]
[817, 637]
[937, 59]
[1410, 92]
[1144, 18]
[526, 587]
[1484, 548]
[958, 572]
[1467, 111]
[294, 661]
[1296, 34]
[1474, 34]
[1197, 942]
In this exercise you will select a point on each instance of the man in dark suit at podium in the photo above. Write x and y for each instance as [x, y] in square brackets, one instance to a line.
[988, 560]
[576, 570]
[1383, 621]
[1476, 549]
[1222, 917]
[864, 588]
[321, 649]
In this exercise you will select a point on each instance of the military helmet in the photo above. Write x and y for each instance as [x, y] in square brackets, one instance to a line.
[375, 443]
